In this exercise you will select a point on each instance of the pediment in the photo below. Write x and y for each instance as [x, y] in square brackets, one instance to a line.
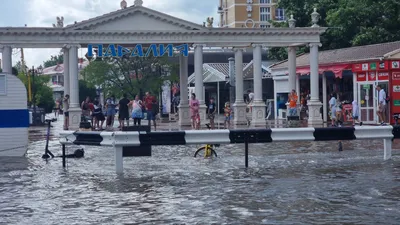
[135, 18]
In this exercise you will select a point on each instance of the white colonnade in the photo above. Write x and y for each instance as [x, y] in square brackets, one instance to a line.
[6, 63]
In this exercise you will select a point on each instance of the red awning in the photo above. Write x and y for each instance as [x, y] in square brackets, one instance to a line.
[336, 69]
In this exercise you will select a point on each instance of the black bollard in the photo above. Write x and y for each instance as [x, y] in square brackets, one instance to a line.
[340, 146]
[246, 154]
[63, 155]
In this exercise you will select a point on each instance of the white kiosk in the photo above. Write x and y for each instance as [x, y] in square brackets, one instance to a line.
[14, 117]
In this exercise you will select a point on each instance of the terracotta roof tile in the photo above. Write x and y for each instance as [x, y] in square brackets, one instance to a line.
[345, 55]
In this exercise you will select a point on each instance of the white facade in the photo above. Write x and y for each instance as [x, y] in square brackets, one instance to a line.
[138, 24]
[13, 101]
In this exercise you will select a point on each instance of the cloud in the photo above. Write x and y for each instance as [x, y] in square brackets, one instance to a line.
[43, 13]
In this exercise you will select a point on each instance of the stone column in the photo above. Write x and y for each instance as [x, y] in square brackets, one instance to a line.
[298, 87]
[292, 72]
[66, 71]
[6, 59]
[314, 105]
[184, 112]
[258, 106]
[239, 105]
[324, 98]
[199, 85]
[75, 110]
[355, 88]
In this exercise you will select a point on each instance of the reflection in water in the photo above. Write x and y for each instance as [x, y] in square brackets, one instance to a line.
[287, 183]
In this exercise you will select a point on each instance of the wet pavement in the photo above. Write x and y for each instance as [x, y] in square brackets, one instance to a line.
[286, 183]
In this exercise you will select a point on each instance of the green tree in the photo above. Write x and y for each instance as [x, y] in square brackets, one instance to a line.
[54, 60]
[132, 75]
[86, 89]
[43, 94]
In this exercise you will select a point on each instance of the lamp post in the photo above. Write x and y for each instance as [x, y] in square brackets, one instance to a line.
[32, 72]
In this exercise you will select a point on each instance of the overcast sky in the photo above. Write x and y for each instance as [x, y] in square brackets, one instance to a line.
[43, 13]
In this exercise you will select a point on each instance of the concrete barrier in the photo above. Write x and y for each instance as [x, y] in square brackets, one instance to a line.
[119, 139]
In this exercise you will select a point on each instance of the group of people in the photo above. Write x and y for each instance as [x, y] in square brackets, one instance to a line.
[135, 109]
[211, 110]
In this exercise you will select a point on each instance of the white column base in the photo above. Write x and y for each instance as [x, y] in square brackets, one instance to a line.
[258, 114]
[74, 118]
[387, 149]
[239, 113]
[314, 113]
[203, 113]
[184, 115]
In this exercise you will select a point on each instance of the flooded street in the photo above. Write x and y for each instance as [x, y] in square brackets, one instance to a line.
[286, 183]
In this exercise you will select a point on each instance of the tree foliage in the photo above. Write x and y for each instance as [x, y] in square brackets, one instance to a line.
[43, 94]
[54, 60]
[350, 22]
[86, 90]
[130, 75]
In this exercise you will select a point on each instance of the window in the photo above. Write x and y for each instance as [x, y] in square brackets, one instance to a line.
[3, 85]
[280, 14]
[265, 14]
[265, 1]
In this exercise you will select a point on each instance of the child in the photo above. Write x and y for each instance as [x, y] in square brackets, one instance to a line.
[227, 113]
[154, 110]
[197, 122]
[355, 113]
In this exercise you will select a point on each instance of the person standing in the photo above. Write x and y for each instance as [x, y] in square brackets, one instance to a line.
[332, 107]
[66, 111]
[148, 104]
[57, 108]
[137, 110]
[227, 114]
[98, 115]
[381, 104]
[293, 103]
[356, 113]
[111, 105]
[123, 111]
[85, 107]
[211, 109]
[194, 105]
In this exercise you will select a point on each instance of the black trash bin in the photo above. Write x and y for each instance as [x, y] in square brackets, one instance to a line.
[135, 151]
[38, 116]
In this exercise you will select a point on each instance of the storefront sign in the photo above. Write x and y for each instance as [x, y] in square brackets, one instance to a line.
[396, 102]
[371, 76]
[364, 66]
[366, 86]
[383, 76]
[361, 77]
[396, 88]
[395, 75]
[381, 65]
[372, 66]
[395, 65]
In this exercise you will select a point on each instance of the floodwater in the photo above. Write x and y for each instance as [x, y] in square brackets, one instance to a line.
[286, 183]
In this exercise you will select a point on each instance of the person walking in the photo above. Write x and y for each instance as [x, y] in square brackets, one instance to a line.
[194, 105]
[381, 104]
[123, 112]
[137, 110]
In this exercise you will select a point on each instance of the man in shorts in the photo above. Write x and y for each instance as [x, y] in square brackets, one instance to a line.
[381, 104]
[148, 104]
[66, 111]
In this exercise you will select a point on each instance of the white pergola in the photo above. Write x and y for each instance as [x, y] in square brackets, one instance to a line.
[140, 25]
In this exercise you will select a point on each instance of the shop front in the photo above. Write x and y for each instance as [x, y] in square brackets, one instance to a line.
[369, 75]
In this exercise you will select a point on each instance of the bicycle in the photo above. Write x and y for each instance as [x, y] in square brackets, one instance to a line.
[208, 149]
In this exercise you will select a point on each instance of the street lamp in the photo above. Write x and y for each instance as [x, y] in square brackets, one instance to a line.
[34, 71]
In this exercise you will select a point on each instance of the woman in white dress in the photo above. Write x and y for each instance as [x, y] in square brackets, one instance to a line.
[332, 107]
[137, 110]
